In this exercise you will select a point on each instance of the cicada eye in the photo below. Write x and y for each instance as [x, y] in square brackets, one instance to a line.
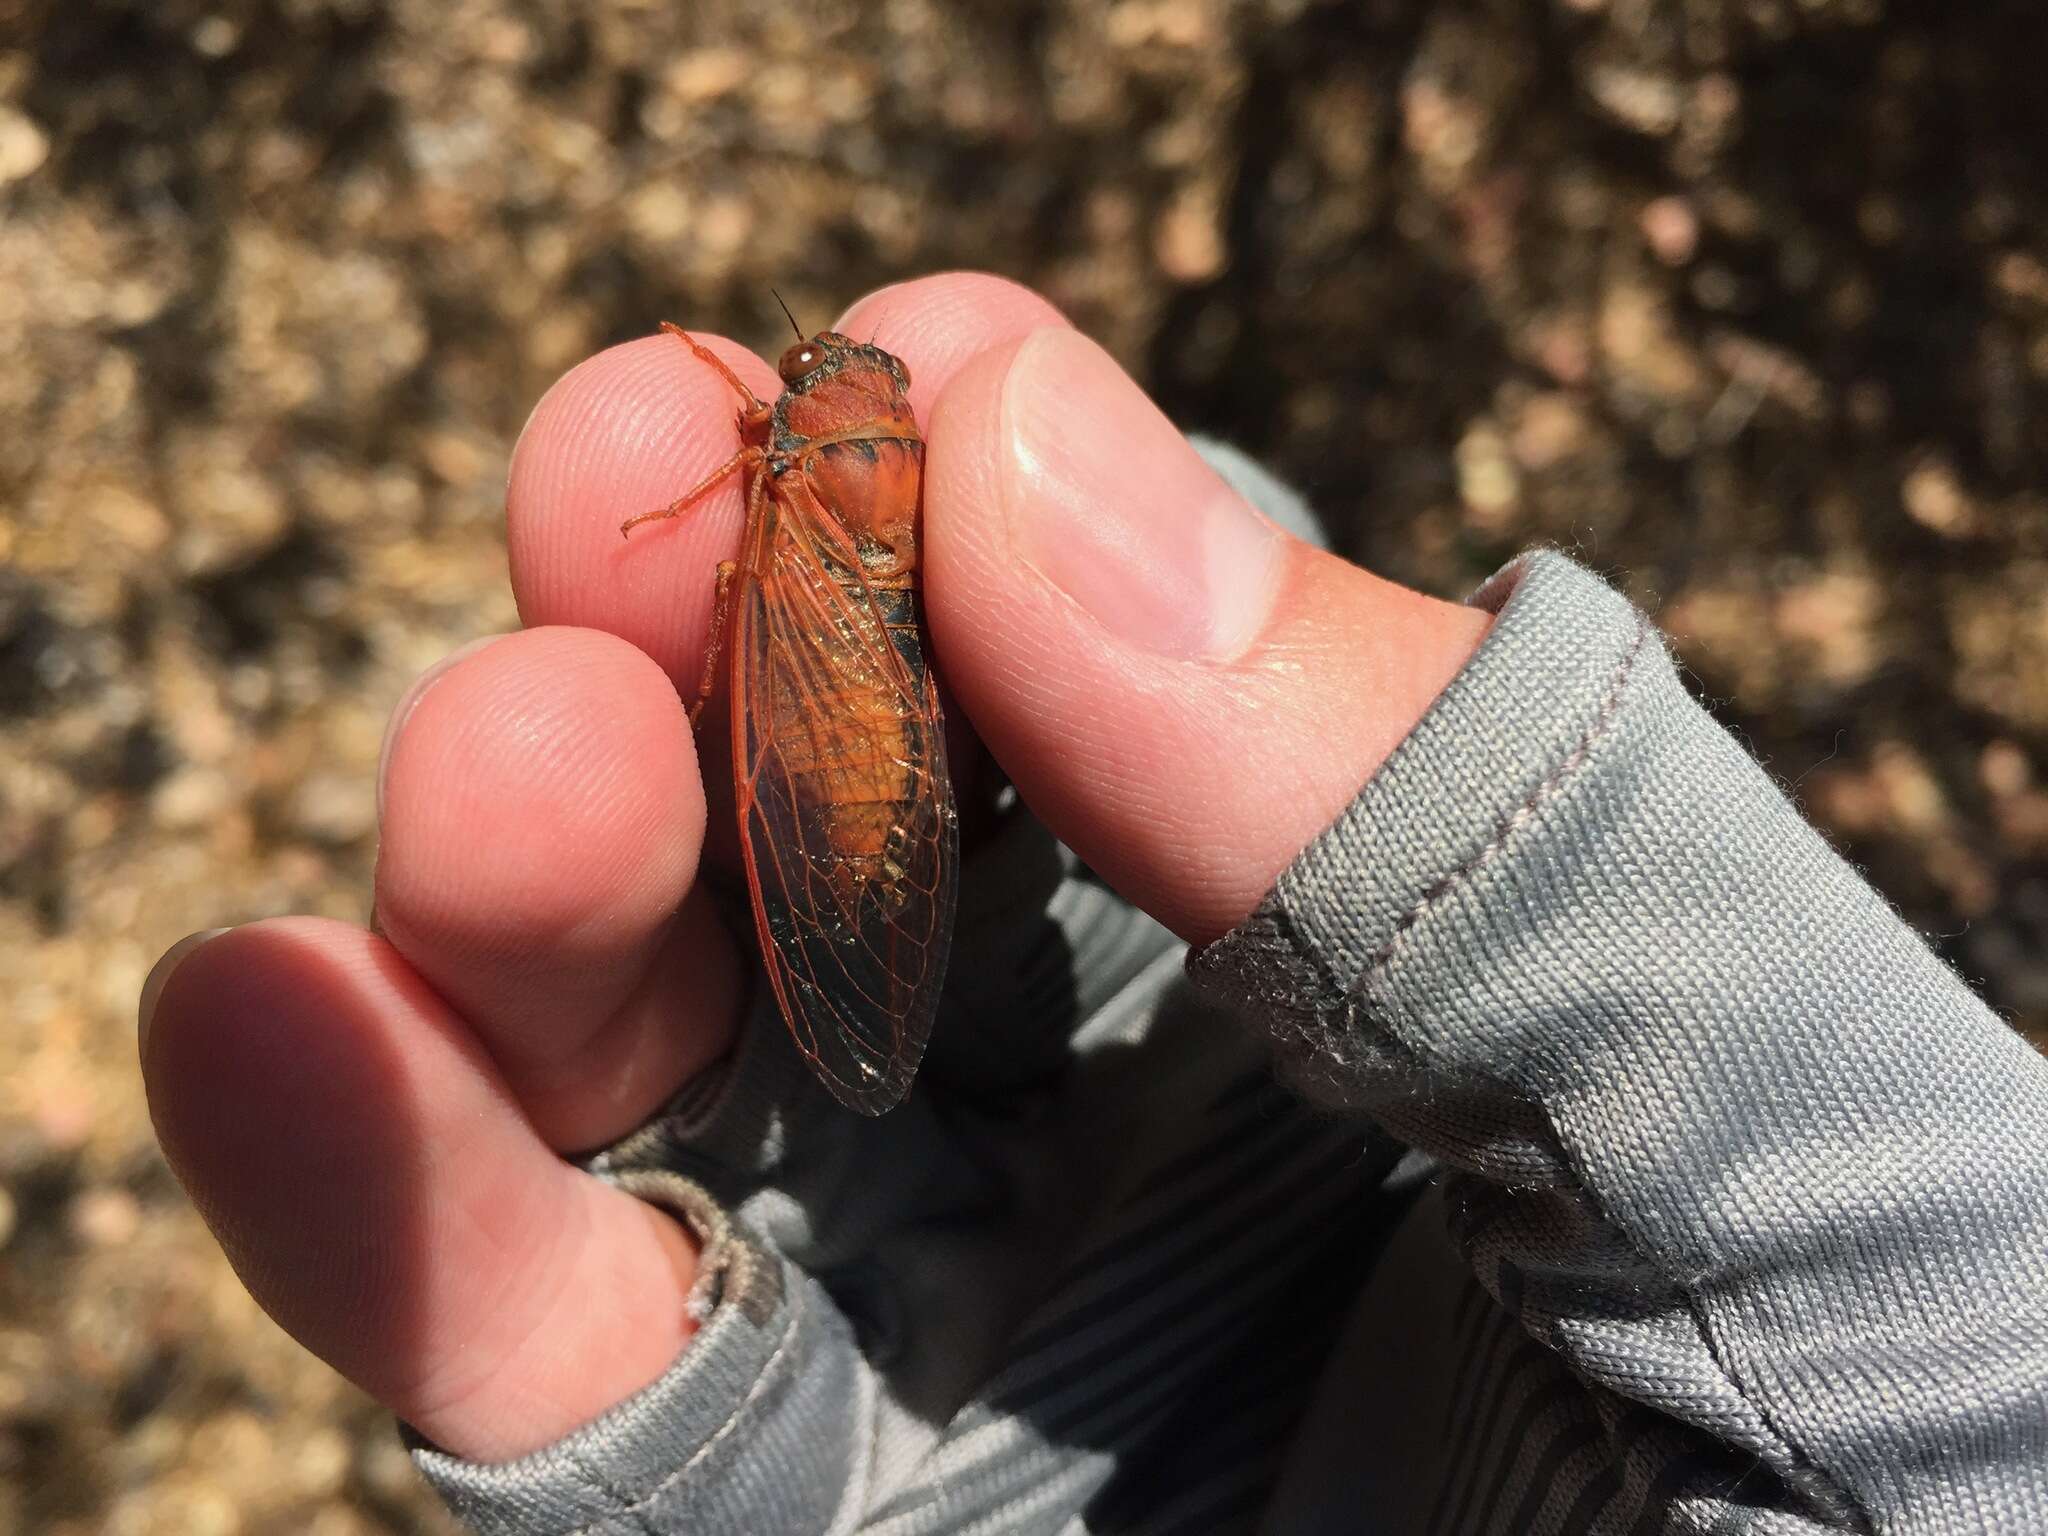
[903, 372]
[800, 361]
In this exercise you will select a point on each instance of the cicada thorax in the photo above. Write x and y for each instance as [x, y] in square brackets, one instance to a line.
[874, 482]
[851, 433]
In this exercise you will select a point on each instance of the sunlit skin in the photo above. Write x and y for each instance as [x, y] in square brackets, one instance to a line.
[550, 966]
[846, 819]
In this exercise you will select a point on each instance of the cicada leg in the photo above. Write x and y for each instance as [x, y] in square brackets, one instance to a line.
[752, 416]
[721, 608]
[675, 508]
[755, 405]
[721, 613]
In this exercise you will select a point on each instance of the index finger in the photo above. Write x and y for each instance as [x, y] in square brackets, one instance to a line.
[626, 432]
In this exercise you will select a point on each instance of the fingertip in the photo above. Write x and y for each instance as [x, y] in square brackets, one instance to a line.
[380, 1193]
[402, 712]
[159, 977]
[622, 433]
[545, 783]
[937, 324]
[278, 1027]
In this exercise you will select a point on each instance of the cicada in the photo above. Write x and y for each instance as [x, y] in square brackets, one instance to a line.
[847, 827]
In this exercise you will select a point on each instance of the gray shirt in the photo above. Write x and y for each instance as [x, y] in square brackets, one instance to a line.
[1632, 1168]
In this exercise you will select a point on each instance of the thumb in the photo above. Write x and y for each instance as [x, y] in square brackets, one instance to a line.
[1183, 691]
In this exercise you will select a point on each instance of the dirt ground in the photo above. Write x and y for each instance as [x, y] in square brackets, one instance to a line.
[1743, 301]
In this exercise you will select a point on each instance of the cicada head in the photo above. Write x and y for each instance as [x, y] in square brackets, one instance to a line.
[827, 351]
[833, 384]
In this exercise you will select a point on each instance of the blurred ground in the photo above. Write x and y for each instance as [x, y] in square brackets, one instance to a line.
[1743, 300]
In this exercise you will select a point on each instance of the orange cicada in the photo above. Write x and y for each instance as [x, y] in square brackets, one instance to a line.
[847, 828]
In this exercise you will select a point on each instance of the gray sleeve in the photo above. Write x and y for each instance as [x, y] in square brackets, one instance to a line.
[760, 1424]
[1718, 1128]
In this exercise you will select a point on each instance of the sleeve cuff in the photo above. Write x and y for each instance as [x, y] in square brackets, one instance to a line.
[757, 1424]
[1481, 759]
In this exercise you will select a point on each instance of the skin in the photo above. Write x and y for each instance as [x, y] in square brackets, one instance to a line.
[372, 1122]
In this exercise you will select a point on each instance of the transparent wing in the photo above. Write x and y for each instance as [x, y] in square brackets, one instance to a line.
[847, 824]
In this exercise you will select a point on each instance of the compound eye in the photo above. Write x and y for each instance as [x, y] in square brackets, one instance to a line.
[800, 361]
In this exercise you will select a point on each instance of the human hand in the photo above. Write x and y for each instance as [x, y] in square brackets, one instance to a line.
[373, 1123]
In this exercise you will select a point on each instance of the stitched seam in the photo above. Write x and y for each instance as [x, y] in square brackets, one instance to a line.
[1798, 1457]
[1519, 817]
[1374, 976]
[638, 1506]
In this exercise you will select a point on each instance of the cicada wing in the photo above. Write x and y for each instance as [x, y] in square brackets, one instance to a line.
[847, 824]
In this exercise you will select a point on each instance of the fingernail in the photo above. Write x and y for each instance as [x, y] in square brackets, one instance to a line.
[410, 701]
[160, 974]
[1106, 500]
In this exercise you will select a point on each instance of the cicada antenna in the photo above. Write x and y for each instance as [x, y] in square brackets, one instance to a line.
[800, 336]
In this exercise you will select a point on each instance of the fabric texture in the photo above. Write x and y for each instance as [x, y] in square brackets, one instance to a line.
[1637, 1171]
[1719, 1130]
